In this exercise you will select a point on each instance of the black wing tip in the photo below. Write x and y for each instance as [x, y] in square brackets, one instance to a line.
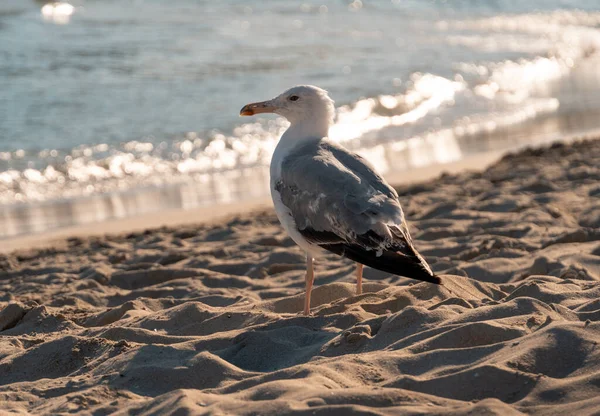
[424, 276]
[412, 265]
[437, 280]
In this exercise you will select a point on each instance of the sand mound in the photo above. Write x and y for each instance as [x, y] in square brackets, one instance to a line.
[205, 319]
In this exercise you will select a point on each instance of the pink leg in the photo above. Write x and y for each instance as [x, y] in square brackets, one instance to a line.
[310, 278]
[359, 270]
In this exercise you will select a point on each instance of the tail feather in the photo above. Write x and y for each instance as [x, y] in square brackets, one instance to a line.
[394, 262]
[398, 257]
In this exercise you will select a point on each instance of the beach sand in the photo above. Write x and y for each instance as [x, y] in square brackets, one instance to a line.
[204, 319]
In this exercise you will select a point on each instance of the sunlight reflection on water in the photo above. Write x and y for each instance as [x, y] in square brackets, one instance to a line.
[57, 12]
[251, 184]
[132, 106]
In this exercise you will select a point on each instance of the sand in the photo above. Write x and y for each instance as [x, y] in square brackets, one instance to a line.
[204, 319]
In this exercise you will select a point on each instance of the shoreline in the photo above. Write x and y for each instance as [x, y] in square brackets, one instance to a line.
[220, 211]
[224, 209]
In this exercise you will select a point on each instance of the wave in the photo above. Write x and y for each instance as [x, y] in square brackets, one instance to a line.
[481, 97]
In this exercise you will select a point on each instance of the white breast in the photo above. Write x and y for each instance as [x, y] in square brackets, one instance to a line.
[283, 213]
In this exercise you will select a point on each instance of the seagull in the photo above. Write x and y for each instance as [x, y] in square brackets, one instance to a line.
[329, 199]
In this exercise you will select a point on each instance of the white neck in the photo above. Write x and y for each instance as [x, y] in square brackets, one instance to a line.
[299, 132]
[308, 128]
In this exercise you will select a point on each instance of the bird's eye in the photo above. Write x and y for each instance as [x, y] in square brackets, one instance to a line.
[294, 98]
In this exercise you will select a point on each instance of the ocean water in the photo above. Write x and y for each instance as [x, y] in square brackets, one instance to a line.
[117, 107]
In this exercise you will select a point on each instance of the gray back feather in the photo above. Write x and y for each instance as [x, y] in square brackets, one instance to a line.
[328, 188]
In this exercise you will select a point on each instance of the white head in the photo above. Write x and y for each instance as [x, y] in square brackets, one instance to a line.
[299, 103]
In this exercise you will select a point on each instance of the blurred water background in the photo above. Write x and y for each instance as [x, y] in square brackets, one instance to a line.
[113, 108]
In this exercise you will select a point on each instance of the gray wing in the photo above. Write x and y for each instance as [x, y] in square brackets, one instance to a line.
[328, 188]
[340, 203]
[361, 167]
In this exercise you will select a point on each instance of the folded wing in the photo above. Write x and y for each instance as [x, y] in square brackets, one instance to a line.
[341, 204]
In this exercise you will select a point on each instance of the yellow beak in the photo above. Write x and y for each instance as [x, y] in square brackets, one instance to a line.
[257, 108]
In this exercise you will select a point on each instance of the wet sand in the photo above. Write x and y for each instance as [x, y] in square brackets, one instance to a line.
[210, 209]
[204, 319]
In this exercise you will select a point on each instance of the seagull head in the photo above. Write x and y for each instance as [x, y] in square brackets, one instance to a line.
[299, 103]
